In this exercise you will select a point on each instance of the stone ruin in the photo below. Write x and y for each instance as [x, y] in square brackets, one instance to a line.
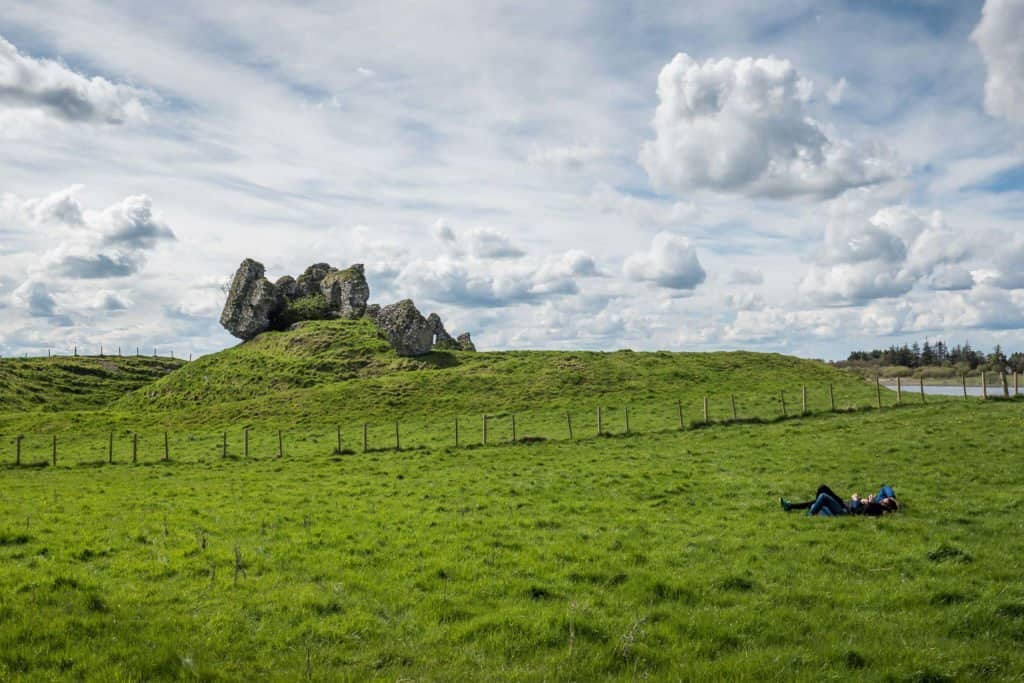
[255, 305]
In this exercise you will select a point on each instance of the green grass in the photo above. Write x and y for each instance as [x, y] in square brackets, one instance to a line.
[69, 382]
[660, 554]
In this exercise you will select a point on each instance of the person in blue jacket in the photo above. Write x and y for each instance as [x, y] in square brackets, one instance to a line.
[827, 503]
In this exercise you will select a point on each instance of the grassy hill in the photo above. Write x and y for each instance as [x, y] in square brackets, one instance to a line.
[75, 382]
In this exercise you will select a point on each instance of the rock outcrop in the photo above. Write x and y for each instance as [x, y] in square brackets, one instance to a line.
[465, 343]
[255, 305]
[442, 340]
[252, 302]
[346, 291]
[406, 329]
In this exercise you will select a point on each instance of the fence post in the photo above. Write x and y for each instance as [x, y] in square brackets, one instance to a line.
[803, 399]
[364, 438]
[963, 381]
[1006, 386]
[922, 390]
[135, 447]
[984, 386]
[1015, 382]
[484, 428]
[513, 427]
[167, 450]
[831, 397]
[54, 450]
[878, 392]
[398, 442]
[224, 445]
[17, 457]
[568, 420]
[280, 444]
[679, 406]
[782, 401]
[627, 419]
[245, 435]
[599, 430]
[732, 398]
[456, 431]
[899, 390]
[110, 449]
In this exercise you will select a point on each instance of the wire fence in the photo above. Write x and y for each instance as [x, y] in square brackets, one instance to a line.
[113, 441]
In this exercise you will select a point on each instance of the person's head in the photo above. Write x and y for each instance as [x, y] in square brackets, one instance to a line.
[890, 504]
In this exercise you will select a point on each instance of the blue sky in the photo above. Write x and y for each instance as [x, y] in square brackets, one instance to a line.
[790, 176]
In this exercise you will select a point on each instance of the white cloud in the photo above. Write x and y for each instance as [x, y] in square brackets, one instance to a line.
[885, 255]
[744, 126]
[43, 85]
[998, 37]
[746, 276]
[834, 94]
[670, 262]
[571, 158]
[491, 244]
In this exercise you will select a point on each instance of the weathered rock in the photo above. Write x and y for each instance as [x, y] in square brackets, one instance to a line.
[309, 282]
[346, 291]
[442, 340]
[372, 311]
[286, 286]
[252, 302]
[406, 329]
[465, 343]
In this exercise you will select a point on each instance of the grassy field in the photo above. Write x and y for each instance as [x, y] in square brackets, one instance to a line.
[657, 555]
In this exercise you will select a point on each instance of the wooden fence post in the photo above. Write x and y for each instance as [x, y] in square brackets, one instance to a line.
[483, 428]
[922, 390]
[707, 413]
[245, 434]
[456, 432]
[782, 401]
[17, 457]
[899, 390]
[1006, 385]
[280, 444]
[224, 445]
[568, 420]
[627, 419]
[110, 449]
[732, 398]
[364, 438]
[831, 397]
[984, 386]
[398, 440]
[599, 425]
[135, 447]
[513, 427]
[963, 382]
[1016, 385]
[167, 450]
[803, 399]
[54, 450]
[878, 392]
[679, 406]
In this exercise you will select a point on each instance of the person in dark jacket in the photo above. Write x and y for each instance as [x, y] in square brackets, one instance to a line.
[827, 503]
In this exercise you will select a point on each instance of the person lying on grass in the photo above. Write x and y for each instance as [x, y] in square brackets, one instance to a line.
[827, 503]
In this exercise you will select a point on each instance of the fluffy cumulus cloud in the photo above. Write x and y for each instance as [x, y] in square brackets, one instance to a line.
[885, 255]
[998, 37]
[670, 262]
[744, 126]
[52, 89]
[109, 243]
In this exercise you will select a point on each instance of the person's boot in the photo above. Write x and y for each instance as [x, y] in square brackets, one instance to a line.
[786, 505]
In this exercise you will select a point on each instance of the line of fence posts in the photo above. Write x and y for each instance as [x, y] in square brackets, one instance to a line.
[568, 417]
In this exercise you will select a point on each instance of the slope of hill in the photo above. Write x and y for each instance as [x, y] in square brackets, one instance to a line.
[338, 367]
[75, 382]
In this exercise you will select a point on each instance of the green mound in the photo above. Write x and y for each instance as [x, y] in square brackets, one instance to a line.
[332, 368]
[78, 382]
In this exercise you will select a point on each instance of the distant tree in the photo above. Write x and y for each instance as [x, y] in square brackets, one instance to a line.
[927, 354]
[997, 360]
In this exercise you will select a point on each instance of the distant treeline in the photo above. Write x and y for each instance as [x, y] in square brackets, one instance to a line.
[939, 354]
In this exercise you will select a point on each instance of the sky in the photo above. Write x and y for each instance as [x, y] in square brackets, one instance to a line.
[795, 176]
